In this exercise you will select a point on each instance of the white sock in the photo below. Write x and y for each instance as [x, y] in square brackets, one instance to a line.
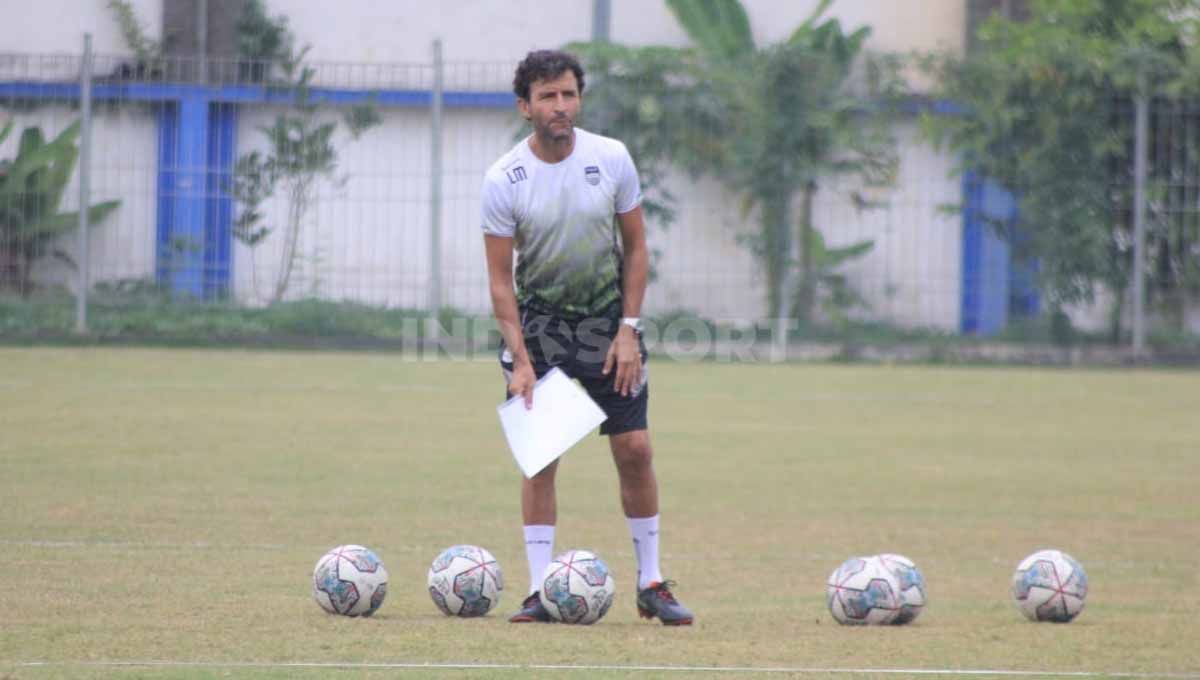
[539, 550]
[645, 545]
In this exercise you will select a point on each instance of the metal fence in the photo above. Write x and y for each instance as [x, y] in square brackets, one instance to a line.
[389, 219]
[166, 150]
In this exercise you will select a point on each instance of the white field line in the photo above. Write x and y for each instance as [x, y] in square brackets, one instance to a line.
[795, 670]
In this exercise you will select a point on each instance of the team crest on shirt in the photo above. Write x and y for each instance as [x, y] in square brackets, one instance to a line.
[592, 175]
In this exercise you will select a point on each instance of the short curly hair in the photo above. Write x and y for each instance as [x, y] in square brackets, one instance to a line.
[544, 65]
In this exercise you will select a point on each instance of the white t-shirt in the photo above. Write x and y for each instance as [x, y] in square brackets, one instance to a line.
[562, 217]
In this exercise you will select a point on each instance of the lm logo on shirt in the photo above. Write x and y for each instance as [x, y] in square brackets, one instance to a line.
[516, 174]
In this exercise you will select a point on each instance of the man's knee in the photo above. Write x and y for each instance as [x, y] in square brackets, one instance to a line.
[631, 450]
[543, 479]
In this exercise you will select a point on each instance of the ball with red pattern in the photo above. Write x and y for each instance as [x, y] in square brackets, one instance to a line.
[1050, 585]
[466, 581]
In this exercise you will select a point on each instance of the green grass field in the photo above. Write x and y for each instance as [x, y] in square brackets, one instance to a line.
[169, 506]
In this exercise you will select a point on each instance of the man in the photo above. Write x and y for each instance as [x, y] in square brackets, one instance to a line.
[580, 279]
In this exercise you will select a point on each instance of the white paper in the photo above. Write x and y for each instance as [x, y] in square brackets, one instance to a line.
[562, 414]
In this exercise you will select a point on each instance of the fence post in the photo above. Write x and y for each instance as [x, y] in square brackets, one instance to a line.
[435, 189]
[85, 173]
[202, 41]
[1141, 144]
[601, 20]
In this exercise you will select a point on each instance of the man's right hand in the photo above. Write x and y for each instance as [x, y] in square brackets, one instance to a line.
[522, 382]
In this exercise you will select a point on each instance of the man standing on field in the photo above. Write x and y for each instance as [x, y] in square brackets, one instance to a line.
[569, 203]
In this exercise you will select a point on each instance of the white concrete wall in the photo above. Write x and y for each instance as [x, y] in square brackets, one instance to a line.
[701, 267]
[487, 31]
[368, 240]
[403, 30]
[913, 274]
[57, 26]
[125, 168]
[899, 25]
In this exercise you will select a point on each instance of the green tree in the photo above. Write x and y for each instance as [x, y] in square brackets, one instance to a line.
[261, 41]
[31, 189]
[146, 50]
[770, 122]
[300, 154]
[1048, 113]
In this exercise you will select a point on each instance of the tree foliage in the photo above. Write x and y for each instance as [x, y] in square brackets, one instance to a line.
[770, 122]
[1048, 112]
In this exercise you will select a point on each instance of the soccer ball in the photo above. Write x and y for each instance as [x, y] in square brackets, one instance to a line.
[577, 587]
[465, 580]
[350, 580]
[912, 586]
[863, 591]
[1050, 585]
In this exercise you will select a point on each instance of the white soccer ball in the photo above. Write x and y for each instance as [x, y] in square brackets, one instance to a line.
[350, 580]
[1050, 585]
[863, 591]
[465, 580]
[577, 587]
[912, 586]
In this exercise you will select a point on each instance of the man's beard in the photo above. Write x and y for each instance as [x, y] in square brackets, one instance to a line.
[560, 133]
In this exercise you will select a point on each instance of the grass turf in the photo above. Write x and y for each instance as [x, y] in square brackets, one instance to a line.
[169, 505]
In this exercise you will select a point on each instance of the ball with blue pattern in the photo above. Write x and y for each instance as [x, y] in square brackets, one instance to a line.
[912, 586]
[862, 591]
[350, 580]
[577, 587]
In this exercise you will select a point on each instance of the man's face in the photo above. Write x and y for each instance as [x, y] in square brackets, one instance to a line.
[553, 106]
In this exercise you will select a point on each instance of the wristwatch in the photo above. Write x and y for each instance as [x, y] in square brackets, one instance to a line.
[633, 322]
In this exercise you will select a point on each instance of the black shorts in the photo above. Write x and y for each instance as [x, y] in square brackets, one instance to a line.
[578, 348]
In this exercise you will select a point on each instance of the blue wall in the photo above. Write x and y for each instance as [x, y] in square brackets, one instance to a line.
[995, 288]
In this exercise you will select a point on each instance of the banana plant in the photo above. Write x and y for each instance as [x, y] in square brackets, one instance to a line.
[829, 288]
[798, 116]
[31, 189]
